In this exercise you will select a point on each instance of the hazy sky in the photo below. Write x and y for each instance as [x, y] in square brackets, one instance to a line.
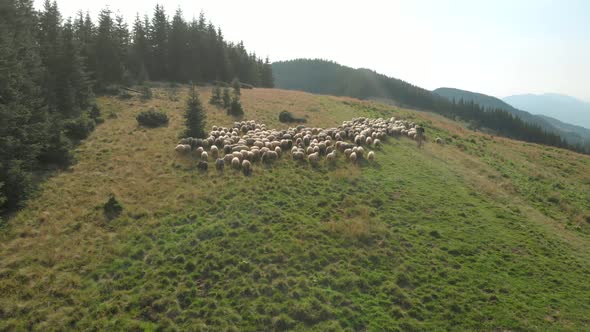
[496, 47]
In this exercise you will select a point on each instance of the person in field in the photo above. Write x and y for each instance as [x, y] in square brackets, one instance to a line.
[419, 136]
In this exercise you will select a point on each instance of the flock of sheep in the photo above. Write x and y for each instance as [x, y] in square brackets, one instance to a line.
[248, 142]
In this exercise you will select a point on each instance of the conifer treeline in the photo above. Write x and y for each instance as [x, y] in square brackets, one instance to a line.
[163, 49]
[50, 66]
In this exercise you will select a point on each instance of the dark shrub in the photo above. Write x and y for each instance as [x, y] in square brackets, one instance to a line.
[287, 117]
[112, 208]
[79, 128]
[152, 118]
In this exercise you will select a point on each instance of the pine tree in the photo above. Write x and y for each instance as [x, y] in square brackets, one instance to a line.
[121, 40]
[236, 86]
[216, 96]
[194, 52]
[109, 66]
[195, 115]
[158, 37]
[235, 108]
[139, 51]
[178, 48]
[23, 127]
[267, 80]
[226, 98]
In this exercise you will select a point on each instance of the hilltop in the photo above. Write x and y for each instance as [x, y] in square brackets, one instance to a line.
[573, 134]
[482, 232]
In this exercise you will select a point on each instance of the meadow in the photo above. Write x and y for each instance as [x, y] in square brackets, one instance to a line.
[481, 233]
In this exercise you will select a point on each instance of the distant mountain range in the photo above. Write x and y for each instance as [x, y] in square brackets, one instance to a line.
[562, 107]
[573, 134]
[327, 77]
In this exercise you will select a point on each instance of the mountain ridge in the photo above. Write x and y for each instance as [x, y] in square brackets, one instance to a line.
[572, 133]
[559, 106]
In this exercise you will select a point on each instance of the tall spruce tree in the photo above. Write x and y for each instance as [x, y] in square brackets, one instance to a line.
[109, 65]
[158, 37]
[139, 52]
[194, 115]
[178, 48]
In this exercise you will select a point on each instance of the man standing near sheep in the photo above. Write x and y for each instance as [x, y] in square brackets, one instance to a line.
[419, 135]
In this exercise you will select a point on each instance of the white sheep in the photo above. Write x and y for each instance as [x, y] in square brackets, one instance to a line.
[214, 151]
[182, 149]
[371, 156]
[314, 158]
[352, 157]
[204, 156]
[235, 163]
[331, 157]
[246, 167]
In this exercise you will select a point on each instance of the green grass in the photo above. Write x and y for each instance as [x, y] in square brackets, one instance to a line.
[420, 240]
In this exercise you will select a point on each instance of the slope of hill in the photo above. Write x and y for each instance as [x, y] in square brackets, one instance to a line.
[481, 233]
[562, 107]
[321, 76]
[575, 135]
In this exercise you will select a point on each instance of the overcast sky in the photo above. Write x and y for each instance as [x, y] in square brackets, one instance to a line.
[496, 47]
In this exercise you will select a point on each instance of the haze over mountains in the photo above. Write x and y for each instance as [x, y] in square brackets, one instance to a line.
[573, 134]
[562, 107]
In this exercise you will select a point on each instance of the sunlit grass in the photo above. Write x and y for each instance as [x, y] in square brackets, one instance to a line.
[480, 233]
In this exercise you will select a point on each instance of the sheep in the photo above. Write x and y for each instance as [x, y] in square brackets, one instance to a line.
[278, 151]
[214, 151]
[269, 156]
[360, 151]
[331, 157]
[377, 142]
[352, 157]
[228, 158]
[256, 155]
[235, 163]
[439, 141]
[219, 164]
[246, 167]
[203, 165]
[204, 156]
[182, 149]
[347, 152]
[237, 154]
[298, 155]
[371, 156]
[314, 158]
[199, 151]
[369, 141]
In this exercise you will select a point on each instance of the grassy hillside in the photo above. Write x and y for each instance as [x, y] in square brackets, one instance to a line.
[481, 233]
